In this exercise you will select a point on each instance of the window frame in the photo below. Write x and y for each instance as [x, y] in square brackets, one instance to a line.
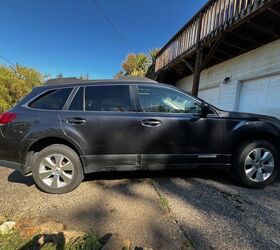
[131, 96]
[41, 94]
[72, 97]
[140, 109]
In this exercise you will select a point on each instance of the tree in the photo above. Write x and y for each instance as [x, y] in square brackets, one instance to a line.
[84, 77]
[60, 75]
[15, 82]
[137, 64]
[151, 70]
[119, 75]
[153, 54]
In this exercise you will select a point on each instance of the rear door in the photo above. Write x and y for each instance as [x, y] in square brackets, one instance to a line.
[103, 120]
[173, 130]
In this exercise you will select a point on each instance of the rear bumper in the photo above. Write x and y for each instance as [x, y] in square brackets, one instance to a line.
[11, 154]
[13, 165]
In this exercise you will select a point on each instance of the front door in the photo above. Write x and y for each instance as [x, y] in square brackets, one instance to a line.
[173, 130]
[103, 120]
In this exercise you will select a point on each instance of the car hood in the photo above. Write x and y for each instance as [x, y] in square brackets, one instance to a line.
[248, 116]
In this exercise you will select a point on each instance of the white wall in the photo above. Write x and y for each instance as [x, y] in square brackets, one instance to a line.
[254, 64]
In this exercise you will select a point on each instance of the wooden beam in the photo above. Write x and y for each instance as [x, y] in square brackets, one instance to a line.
[188, 64]
[234, 46]
[177, 70]
[264, 29]
[224, 52]
[212, 51]
[247, 38]
[217, 58]
[274, 12]
[197, 71]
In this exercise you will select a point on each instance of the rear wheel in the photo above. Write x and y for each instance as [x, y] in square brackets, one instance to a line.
[256, 164]
[57, 169]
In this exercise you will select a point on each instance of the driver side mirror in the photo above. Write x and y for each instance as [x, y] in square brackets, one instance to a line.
[205, 109]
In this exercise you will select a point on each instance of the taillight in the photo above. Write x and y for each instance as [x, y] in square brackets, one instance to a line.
[7, 117]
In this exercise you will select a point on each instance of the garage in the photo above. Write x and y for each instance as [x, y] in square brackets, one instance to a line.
[210, 95]
[260, 96]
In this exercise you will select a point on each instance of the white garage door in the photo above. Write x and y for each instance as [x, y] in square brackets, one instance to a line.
[261, 96]
[210, 95]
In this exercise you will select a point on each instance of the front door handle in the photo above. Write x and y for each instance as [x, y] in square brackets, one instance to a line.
[151, 123]
[76, 121]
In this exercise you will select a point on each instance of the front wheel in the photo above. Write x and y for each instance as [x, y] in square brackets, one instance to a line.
[256, 164]
[57, 169]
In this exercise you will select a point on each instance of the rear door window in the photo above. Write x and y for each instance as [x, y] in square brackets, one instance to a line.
[51, 100]
[108, 98]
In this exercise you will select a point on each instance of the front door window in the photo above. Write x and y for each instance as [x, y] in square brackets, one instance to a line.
[158, 99]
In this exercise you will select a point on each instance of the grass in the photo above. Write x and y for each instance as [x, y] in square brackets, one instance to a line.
[149, 181]
[13, 241]
[164, 202]
[187, 245]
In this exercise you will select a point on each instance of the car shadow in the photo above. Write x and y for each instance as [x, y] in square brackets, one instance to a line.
[17, 177]
[216, 175]
[213, 174]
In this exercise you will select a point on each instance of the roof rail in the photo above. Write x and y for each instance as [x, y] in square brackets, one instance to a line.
[65, 80]
[135, 78]
[74, 80]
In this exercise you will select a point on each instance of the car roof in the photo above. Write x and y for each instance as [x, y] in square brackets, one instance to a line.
[79, 83]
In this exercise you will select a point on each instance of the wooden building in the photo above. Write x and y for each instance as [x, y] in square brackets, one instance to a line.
[229, 55]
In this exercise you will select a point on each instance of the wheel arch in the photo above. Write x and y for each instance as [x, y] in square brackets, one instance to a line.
[42, 143]
[260, 135]
[254, 130]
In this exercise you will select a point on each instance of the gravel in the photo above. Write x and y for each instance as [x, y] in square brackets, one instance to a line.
[206, 207]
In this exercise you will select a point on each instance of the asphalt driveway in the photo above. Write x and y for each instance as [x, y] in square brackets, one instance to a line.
[217, 214]
[163, 212]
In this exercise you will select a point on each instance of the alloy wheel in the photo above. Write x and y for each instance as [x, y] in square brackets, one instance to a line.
[259, 164]
[56, 170]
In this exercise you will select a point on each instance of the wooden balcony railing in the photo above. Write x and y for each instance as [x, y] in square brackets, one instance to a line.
[214, 17]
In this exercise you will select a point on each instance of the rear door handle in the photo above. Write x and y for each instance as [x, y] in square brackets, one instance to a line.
[76, 121]
[151, 123]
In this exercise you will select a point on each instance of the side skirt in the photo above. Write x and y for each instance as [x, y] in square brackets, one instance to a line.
[101, 163]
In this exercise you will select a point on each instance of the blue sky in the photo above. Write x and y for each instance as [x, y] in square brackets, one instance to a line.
[73, 38]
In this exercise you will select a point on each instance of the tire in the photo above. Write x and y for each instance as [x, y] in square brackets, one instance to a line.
[252, 164]
[57, 169]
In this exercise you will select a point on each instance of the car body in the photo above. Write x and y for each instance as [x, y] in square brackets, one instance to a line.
[125, 125]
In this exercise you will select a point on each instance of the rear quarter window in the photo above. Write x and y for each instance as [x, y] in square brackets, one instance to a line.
[51, 100]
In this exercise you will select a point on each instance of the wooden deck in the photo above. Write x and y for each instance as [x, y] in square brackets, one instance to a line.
[221, 30]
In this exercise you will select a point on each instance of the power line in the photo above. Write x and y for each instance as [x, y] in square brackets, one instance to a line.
[6, 60]
[112, 24]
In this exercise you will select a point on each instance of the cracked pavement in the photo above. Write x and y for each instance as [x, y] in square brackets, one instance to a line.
[204, 206]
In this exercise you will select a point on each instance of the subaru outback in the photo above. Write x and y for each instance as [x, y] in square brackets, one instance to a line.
[60, 132]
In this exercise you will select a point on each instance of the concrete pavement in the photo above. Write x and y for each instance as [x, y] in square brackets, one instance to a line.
[205, 207]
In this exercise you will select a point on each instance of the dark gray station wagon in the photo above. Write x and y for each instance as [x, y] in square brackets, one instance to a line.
[60, 132]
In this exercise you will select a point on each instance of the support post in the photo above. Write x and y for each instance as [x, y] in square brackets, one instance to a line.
[198, 57]
[197, 70]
